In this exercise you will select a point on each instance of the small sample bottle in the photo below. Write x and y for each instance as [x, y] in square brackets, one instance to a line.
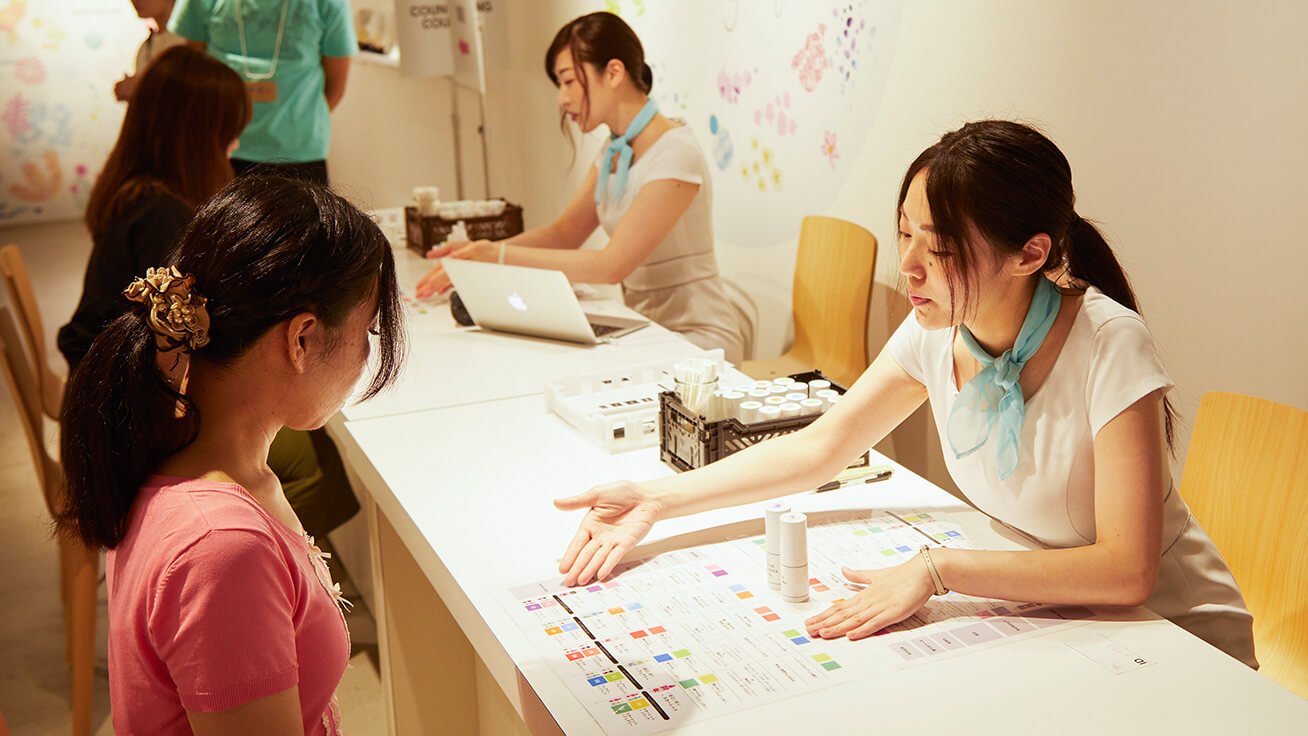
[772, 533]
[794, 557]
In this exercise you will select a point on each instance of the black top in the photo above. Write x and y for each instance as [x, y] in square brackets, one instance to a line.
[140, 237]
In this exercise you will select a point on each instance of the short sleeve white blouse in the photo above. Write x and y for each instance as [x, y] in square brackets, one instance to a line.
[677, 285]
[1107, 364]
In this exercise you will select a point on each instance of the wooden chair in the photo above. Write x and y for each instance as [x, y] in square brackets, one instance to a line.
[79, 567]
[831, 301]
[50, 385]
[1246, 482]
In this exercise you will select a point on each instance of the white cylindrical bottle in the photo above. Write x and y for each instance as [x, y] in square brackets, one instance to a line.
[772, 514]
[749, 411]
[794, 557]
[818, 385]
[789, 410]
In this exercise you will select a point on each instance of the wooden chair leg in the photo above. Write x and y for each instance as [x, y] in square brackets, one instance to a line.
[69, 556]
[85, 587]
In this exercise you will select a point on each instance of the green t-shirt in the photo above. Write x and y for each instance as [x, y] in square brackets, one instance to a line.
[296, 127]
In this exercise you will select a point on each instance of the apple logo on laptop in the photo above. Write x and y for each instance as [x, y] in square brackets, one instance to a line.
[517, 303]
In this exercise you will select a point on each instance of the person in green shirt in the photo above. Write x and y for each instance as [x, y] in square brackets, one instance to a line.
[294, 56]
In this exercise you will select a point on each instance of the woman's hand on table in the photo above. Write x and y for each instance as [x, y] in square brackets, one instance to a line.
[620, 515]
[892, 595]
[437, 281]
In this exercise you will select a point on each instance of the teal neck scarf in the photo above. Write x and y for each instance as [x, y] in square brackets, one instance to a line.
[993, 399]
[620, 146]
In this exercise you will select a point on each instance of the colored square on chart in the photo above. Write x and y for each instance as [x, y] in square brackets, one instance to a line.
[975, 634]
[888, 552]
[590, 652]
[574, 656]
[719, 573]
[595, 588]
[820, 588]
[790, 633]
[800, 640]
[875, 529]
[1001, 610]
[906, 650]
[761, 542]
[736, 588]
[1012, 626]
[611, 584]
[639, 703]
[860, 533]
[621, 708]
[951, 534]
[821, 658]
[534, 607]
[924, 516]
[569, 627]
[813, 581]
[708, 679]
[662, 657]
[634, 606]
[688, 684]
[762, 609]
[772, 617]
[639, 634]
[745, 595]
[902, 548]
[615, 610]
[711, 568]
[928, 645]
[940, 537]
[910, 518]
[597, 680]
[547, 604]
[838, 600]
[657, 630]
[680, 653]
[613, 676]
[830, 666]
[551, 631]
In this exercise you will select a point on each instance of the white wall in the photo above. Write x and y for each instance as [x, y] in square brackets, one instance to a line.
[1183, 122]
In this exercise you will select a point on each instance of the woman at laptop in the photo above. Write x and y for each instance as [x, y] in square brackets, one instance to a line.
[650, 190]
[1047, 392]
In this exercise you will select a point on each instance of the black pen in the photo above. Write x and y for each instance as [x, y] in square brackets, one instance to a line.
[880, 474]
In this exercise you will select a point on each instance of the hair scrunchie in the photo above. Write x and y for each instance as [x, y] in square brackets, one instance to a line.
[177, 315]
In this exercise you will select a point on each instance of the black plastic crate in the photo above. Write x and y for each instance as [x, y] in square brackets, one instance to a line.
[688, 440]
[423, 232]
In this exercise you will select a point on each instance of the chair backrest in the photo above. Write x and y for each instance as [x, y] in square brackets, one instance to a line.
[833, 295]
[22, 385]
[23, 299]
[1246, 482]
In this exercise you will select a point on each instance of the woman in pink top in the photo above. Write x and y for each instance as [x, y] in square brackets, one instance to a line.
[222, 616]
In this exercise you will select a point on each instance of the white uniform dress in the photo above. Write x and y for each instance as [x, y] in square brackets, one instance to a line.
[678, 284]
[1107, 364]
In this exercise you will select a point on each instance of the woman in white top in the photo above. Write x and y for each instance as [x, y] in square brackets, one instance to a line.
[649, 189]
[1063, 436]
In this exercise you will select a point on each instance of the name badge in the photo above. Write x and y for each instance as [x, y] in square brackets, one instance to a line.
[262, 91]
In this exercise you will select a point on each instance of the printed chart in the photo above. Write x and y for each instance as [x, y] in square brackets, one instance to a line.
[696, 633]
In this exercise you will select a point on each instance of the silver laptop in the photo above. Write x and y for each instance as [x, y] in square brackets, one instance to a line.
[530, 301]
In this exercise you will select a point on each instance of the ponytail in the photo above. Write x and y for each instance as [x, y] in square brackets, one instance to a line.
[647, 77]
[120, 419]
[1089, 260]
[261, 251]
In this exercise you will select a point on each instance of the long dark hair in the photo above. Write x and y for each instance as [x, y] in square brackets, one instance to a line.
[596, 39]
[188, 108]
[263, 250]
[1010, 182]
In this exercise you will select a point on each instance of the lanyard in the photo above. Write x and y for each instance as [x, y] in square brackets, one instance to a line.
[277, 48]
